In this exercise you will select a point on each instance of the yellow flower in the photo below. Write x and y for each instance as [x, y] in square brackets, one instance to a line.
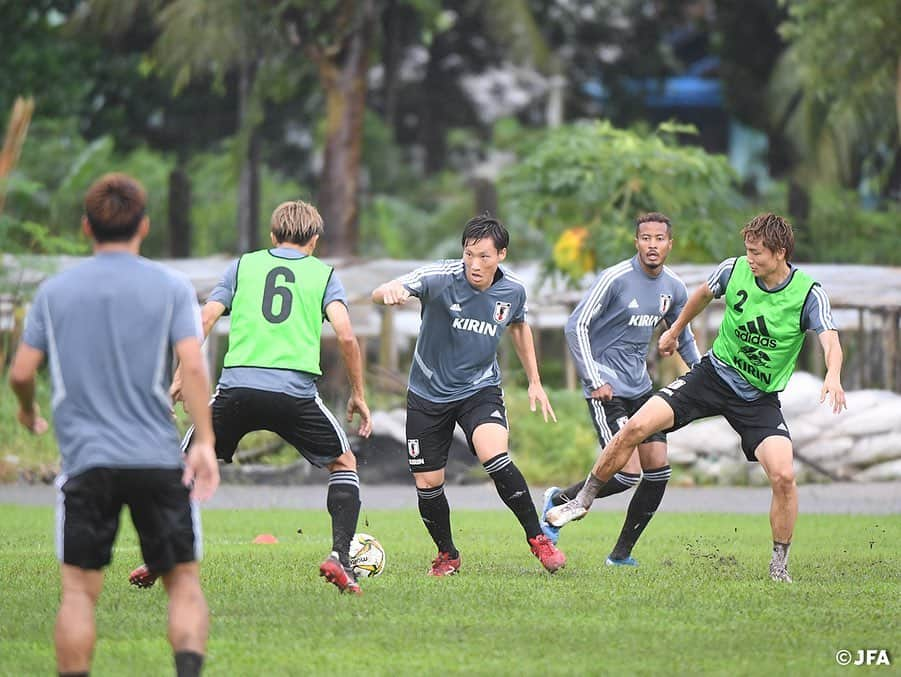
[572, 255]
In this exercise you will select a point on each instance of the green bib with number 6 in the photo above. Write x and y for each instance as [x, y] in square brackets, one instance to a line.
[276, 313]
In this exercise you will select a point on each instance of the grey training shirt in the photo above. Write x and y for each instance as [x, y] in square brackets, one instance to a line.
[610, 330]
[290, 382]
[816, 315]
[456, 351]
[108, 326]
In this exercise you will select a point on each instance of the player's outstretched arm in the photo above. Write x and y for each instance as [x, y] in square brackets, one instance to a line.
[209, 315]
[201, 467]
[21, 380]
[699, 299]
[832, 384]
[391, 293]
[353, 361]
[521, 333]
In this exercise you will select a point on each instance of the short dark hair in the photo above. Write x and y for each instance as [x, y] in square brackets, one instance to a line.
[773, 230]
[485, 225]
[114, 206]
[655, 217]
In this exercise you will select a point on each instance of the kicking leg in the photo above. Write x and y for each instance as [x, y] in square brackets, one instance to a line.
[435, 513]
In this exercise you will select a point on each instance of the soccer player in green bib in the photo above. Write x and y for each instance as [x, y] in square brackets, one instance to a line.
[770, 304]
[277, 299]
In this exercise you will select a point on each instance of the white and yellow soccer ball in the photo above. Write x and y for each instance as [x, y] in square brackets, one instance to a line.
[367, 556]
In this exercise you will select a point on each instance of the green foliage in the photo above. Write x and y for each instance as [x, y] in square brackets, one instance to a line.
[214, 205]
[272, 614]
[596, 176]
[839, 230]
[560, 452]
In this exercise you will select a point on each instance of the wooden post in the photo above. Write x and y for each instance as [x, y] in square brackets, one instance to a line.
[861, 350]
[569, 364]
[890, 347]
[388, 340]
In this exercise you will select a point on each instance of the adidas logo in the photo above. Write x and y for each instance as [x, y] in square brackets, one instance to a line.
[633, 303]
[497, 414]
[782, 426]
[455, 308]
[756, 333]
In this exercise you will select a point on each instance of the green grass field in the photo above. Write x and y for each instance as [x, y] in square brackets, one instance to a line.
[700, 603]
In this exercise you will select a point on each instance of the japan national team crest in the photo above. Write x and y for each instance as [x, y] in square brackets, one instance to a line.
[413, 448]
[666, 300]
[501, 310]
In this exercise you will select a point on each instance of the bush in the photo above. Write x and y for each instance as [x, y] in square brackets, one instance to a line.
[558, 453]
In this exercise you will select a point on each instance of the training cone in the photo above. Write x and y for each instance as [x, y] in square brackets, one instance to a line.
[265, 538]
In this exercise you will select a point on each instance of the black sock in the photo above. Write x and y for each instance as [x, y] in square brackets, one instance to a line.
[641, 509]
[620, 482]
[435, 514]
[343, 502]
[188, 663]
[514, 492]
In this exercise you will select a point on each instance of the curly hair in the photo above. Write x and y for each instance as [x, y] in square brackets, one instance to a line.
[774, 231]
[296, 222]
[654, 217]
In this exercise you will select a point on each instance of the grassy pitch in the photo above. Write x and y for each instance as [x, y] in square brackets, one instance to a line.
[700, 603]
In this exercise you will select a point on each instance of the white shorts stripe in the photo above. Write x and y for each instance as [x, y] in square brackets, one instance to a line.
[60, 516]
[342, 436]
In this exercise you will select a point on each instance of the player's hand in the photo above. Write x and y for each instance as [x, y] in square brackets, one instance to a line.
[604, 393]
[832, 388]
[201, 469]
[536, 395]
[358, 405]
[667, 343]
[175, 388]
[394, 293]
[32, 420]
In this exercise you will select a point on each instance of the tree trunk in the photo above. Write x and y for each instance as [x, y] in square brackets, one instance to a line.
[391, 54]
[179, 211]
[249, 178]
[432, 124]
[343, 77]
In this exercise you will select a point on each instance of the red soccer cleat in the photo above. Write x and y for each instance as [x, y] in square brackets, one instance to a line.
[551, 558]
[335, 573]
[142, 577]
[445, 565]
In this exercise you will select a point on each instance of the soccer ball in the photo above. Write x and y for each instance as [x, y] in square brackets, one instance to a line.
[367, 556]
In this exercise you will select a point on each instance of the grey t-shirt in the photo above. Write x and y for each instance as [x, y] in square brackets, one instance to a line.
[456, 351]
[108, 327]
[610, 330]
[288, 381]
[816, 315]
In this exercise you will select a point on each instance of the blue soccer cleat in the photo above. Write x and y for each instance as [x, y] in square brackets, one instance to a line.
[552, 532]
[627, 562]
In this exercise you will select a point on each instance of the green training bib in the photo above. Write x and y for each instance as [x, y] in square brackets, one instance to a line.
[276, 314]
[761, 335]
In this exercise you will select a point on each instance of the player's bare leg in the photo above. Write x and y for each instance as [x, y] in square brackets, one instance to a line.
[490, 443]
[189, 617]
[775, 455]
[654, 416]
[76, 630]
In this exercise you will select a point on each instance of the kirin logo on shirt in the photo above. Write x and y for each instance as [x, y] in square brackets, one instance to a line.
[501, 310]
[666, 300]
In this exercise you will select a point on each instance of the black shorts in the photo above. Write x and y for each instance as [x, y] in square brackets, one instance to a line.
[608, 417]
[88, 508]
[304, 423]
[701, 393]
[430, 425]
